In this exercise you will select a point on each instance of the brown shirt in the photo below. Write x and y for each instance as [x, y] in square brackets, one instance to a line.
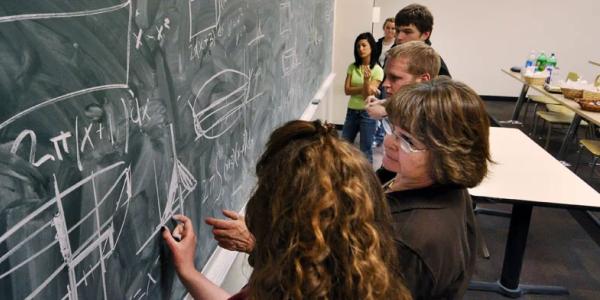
[434, 230]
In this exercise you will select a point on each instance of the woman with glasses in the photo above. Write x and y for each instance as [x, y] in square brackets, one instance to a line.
[437, 144]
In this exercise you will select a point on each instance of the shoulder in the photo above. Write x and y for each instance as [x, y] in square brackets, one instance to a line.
[436, 224]
[351, 68]
[444, 68]
[377, 72]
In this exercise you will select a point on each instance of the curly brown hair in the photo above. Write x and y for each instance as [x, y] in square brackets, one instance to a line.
[450, 119]
[320, 219]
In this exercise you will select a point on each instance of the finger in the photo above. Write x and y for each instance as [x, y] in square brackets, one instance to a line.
[169, 240]
[178, 232]
[188, 228]
[224, 234]
[183, 219]
[220, 223]
[231, 214]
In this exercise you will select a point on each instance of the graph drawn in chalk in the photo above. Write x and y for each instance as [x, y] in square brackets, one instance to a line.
[81, 246]
[181, 184]
[222, 113]
[204, 16]
[100, 69]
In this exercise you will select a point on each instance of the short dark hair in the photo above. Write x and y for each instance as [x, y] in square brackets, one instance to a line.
[415, 14]
[371, 40]
[450, 119]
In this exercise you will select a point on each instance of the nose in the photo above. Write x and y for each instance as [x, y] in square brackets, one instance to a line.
[400, 37]
[388, 144]
[386, 83]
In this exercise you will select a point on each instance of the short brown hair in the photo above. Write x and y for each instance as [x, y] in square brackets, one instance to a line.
[422, 59]
[415, 14]
[451, 120]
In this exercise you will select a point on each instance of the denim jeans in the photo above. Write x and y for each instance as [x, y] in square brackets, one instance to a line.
[379, 132]
[359, 121]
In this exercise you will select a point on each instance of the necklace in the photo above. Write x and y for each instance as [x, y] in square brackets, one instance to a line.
[387, 187]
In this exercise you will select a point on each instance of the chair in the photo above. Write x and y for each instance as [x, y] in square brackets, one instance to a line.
[592, 146]
[537, 99]
[556, 115]
[551, 118]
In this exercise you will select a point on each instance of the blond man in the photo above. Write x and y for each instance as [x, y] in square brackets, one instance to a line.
[407, 63]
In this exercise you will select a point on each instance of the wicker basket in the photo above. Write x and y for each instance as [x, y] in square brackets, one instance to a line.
[591, 95]
[530, 80]
[589, 105]
[571, 93]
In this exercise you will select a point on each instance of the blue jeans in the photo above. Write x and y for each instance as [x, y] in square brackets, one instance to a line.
[379, 132]
[359, 121]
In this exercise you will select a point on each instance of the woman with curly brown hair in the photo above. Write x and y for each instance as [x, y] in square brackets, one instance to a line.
[320, 220]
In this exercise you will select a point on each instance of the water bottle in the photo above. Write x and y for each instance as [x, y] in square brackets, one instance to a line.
[530, 63]
[551, 67]
[552, 60]
[530, 60]
[555, 78]
[541, 62]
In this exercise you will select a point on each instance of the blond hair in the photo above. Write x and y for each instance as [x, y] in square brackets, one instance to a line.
[388, 20]
[321, 221]
[422, 59]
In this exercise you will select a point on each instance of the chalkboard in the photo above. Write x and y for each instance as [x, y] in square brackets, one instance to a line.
[117, 114]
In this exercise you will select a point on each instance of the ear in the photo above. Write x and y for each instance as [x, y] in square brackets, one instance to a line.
[425, 35]
[424, 77]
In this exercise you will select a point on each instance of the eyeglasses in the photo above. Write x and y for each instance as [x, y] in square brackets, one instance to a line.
[405, 141]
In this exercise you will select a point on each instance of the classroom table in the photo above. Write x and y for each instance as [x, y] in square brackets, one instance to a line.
[592, 117]
[525, 175]
[520, 101]
[595, 62]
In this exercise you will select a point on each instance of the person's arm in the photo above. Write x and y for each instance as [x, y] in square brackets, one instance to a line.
[371, 88]
[232, 234]
[183, 258]
[375, 108]
[349, 89]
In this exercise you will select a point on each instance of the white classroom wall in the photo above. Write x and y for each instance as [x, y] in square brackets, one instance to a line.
[477, 38]
[351, 18]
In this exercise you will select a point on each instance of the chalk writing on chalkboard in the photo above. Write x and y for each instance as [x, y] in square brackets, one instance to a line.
[117, 114]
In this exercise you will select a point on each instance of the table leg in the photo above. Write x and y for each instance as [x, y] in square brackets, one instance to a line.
[517, 110]
[571, 132]
[508, 285]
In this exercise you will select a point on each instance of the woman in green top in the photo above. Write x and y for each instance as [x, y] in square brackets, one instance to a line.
[362, 79]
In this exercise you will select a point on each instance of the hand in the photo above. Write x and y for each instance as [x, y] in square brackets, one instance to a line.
[373, 90]
[372, 100]
[375, 108]
[184, 250]
[232, 234]
[366, 72]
